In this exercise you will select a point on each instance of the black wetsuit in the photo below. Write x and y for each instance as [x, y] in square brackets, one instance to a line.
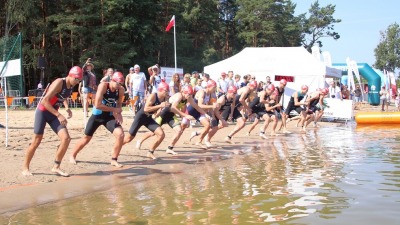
[143, 118]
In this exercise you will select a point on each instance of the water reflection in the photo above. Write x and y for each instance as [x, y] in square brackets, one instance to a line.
[331, 175]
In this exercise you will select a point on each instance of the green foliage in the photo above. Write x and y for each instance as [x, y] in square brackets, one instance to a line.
[121, 33]
[319, 24]
[387, 53]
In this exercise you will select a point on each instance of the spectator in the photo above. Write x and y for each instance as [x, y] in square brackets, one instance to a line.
[384, 98]
[194, 78]
[87, 88]
[185, 81]
[268, 81]
[246, 79]
[174, 84]
[357, 96]
[237, 81]
[155, 78]
[206, 78]
[138, 86]
[223, 84]
[40, 86]
[334, 91]
[198, 85]
[230, 78]
[345, 93]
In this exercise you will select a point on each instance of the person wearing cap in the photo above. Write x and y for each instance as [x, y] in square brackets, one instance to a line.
[223, 84]
[155, 78]
[271, 114]
[154, 103]
[295, 103]
[106, 111]
[221, 114]
[168, 116]
[258, 107]
[241, 103]
[280, 99]
[203, 99]
[47, 113]
[87, 88]
[137, 87]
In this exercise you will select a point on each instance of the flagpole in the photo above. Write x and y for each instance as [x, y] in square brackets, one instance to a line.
[175, 43]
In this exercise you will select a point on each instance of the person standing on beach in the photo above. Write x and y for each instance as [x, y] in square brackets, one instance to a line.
[89, 85]
[107, 112]
[154, 102]
[47, 112]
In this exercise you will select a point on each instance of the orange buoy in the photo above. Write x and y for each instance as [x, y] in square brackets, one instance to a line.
[378, 118]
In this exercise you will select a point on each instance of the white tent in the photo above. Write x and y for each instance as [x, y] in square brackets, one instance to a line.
[295, 64]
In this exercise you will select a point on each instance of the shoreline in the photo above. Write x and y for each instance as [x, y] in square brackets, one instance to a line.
[93, 170]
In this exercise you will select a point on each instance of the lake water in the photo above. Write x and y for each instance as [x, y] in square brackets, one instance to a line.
[330, 175]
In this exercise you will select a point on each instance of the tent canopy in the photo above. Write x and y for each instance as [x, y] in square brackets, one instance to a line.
[271, 61]
[295, 63]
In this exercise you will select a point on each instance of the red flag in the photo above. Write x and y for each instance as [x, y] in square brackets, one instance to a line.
[170, 24]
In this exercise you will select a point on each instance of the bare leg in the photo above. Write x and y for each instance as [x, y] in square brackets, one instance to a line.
[274, 125]
[206, 123]
[253, 125]
[128, 138]
[62, 148]
[119, 139]
[239, 125]
[160, 137]
[283, 115]
[178, 132]
[78, 147]
[210, 135]
[267, 119]
[146, 136]
[36, 140]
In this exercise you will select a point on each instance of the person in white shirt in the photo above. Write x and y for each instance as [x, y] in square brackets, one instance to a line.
[206, 78]
[334, 91]
[223, 84]
[138, 85]
[384, 96]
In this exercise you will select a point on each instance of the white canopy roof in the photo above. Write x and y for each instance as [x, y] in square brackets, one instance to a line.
[271, 61]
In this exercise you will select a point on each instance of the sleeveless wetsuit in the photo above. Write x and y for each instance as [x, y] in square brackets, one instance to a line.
[100, 117]
[143, 118]
[42, 116]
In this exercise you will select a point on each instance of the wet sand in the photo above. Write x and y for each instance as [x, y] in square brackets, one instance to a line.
[94, 172]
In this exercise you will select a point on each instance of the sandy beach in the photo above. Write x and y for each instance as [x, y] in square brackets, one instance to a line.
[93, 171]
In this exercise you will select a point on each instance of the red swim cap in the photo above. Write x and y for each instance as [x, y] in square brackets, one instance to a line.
[118, 77]
[283, 81]
[275, 92]
[232, 89]
[211, 84]
[76, 72]
[324, 91]
[163, 86]
[187, 90]
[271, 87]
[304, 87]
[253, 84]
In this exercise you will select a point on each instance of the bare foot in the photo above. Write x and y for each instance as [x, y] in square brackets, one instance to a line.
[248, 134]
[138, 144]
[194, 134]
[171, 152]
[208, 144]
[151, 155]
[274, 134]
[116, 164]
[59, 172]
[200, 145]
[26, 172]
[263, 136]
[229, 140]
[286, 132]
[72, 160]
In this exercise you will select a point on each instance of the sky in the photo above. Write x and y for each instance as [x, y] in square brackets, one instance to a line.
[360, 28]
